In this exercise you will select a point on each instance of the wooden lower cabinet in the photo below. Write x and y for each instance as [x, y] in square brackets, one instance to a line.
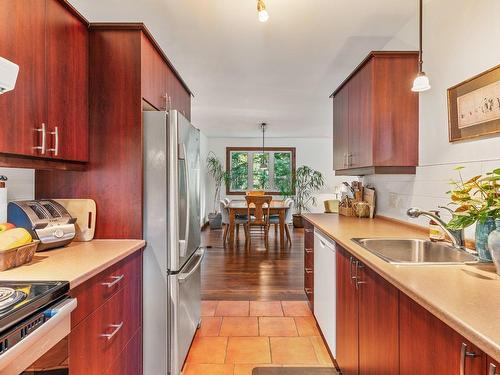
[309, 263]
[367, 319]
[110, 332]
[429, 347]
[493, 367]
[347, 314]
[378, 324]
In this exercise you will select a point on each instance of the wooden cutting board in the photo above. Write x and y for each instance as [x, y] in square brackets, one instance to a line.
[369, 197]
[84, 210]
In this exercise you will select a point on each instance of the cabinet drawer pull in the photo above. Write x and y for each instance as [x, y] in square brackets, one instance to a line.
[308, 230]
[43, 146]
[493, 369]
[55, 133]
[464, 353]
[116, 327]
[309, 270]
[308, 290]
[352, 261]
[116, 280]
[308, 250]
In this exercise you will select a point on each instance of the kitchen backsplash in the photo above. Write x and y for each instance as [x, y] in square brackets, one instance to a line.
[21, 183]
[426, 189]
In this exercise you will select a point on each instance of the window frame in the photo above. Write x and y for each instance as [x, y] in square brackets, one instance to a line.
[229, 150]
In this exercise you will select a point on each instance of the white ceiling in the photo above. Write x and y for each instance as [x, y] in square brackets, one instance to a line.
[243, 72]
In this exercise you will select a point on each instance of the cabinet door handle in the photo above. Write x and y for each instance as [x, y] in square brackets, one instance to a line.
[349, 160]
[309, 270]
[493, 369]
[463, 354]
[308, 290]
[308, 250]
[43, 146]
[351, 262]
[55, 133]
[356, 276]
[344, 162]
[116, 327]
[116, 280]
[308, 230]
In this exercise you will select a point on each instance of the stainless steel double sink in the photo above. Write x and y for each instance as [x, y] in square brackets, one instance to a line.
[410, 251]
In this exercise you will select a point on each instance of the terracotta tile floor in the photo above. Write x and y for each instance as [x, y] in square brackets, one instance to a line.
[236, 336]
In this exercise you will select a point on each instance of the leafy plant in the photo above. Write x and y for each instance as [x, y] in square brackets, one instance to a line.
[476, 199]
[306, 182]
[220, 176]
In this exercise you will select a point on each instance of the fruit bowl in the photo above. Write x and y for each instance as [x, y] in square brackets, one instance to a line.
[17, 256]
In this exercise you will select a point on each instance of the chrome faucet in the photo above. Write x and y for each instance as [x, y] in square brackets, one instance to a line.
[456, 236]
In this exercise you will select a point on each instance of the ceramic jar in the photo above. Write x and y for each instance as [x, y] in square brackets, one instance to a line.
[494, 245]
[482, 232]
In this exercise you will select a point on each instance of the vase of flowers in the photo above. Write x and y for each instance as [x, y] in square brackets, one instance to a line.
[476, 200]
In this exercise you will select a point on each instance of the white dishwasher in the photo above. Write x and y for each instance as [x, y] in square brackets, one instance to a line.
[325, 287]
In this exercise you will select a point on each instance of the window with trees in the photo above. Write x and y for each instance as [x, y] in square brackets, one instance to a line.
[251, 169]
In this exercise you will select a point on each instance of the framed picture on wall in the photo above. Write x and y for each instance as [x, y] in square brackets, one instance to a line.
[474, 106]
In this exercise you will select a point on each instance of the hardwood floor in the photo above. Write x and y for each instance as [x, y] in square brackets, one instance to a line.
[255, 274]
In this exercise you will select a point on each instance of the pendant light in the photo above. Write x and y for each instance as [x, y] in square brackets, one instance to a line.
[263, 164]
[261, 10]
[421, 82]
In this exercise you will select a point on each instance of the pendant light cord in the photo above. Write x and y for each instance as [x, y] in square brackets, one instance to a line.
[420, 52]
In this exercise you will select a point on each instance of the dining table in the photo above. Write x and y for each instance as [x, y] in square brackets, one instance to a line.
[239, 207]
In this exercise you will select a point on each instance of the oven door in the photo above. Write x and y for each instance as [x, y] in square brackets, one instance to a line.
[45, 350]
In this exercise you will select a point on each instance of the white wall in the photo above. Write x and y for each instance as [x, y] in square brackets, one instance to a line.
[314, 152]
[460, 41]
[21, 183]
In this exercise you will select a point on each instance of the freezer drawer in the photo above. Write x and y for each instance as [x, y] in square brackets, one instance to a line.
[186, 309]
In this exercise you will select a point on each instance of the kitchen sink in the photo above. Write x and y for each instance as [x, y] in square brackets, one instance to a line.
[406, 251]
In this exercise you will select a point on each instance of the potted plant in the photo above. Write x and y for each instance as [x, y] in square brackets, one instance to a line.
[217, 172]
[306, 182]
[477, 200]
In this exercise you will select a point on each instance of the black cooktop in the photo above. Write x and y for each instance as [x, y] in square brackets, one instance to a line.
[20, 299]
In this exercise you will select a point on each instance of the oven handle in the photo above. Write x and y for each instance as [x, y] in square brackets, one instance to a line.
[18, 357]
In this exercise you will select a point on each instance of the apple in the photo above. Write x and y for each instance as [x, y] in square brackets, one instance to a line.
[6, 226]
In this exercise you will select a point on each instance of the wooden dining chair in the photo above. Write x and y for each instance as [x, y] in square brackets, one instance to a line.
[261, 205]
[256, 192]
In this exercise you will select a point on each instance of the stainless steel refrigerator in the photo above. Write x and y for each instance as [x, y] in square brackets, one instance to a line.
[172, 259]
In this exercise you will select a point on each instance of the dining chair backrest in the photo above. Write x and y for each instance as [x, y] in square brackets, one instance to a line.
[227, 200]
[260, 215]
[289, 212]
[224, 211]
[255, 193]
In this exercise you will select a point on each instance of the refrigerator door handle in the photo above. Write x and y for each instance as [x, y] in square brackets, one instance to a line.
[183, 244]
[200, 253]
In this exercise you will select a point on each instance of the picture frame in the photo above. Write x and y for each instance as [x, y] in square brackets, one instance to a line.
[474, 106]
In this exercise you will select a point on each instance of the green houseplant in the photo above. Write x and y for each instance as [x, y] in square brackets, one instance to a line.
[306, 182]
[220, 176]
[476, 200]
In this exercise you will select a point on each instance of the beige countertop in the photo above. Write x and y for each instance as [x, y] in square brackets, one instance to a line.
[465, 297]
[75, 263]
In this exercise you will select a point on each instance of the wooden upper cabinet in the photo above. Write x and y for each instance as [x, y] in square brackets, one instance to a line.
[48, 109]
[340, 128]
[67, 84]
[376, 131]
[153, 76]
[428, 346]
[22, 41]
[161, 86]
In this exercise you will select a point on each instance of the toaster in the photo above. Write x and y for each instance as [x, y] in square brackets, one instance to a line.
[46, 220]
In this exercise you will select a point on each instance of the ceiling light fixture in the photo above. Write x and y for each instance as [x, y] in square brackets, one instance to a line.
[263, 164]
[261, 9]
[421, 82]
